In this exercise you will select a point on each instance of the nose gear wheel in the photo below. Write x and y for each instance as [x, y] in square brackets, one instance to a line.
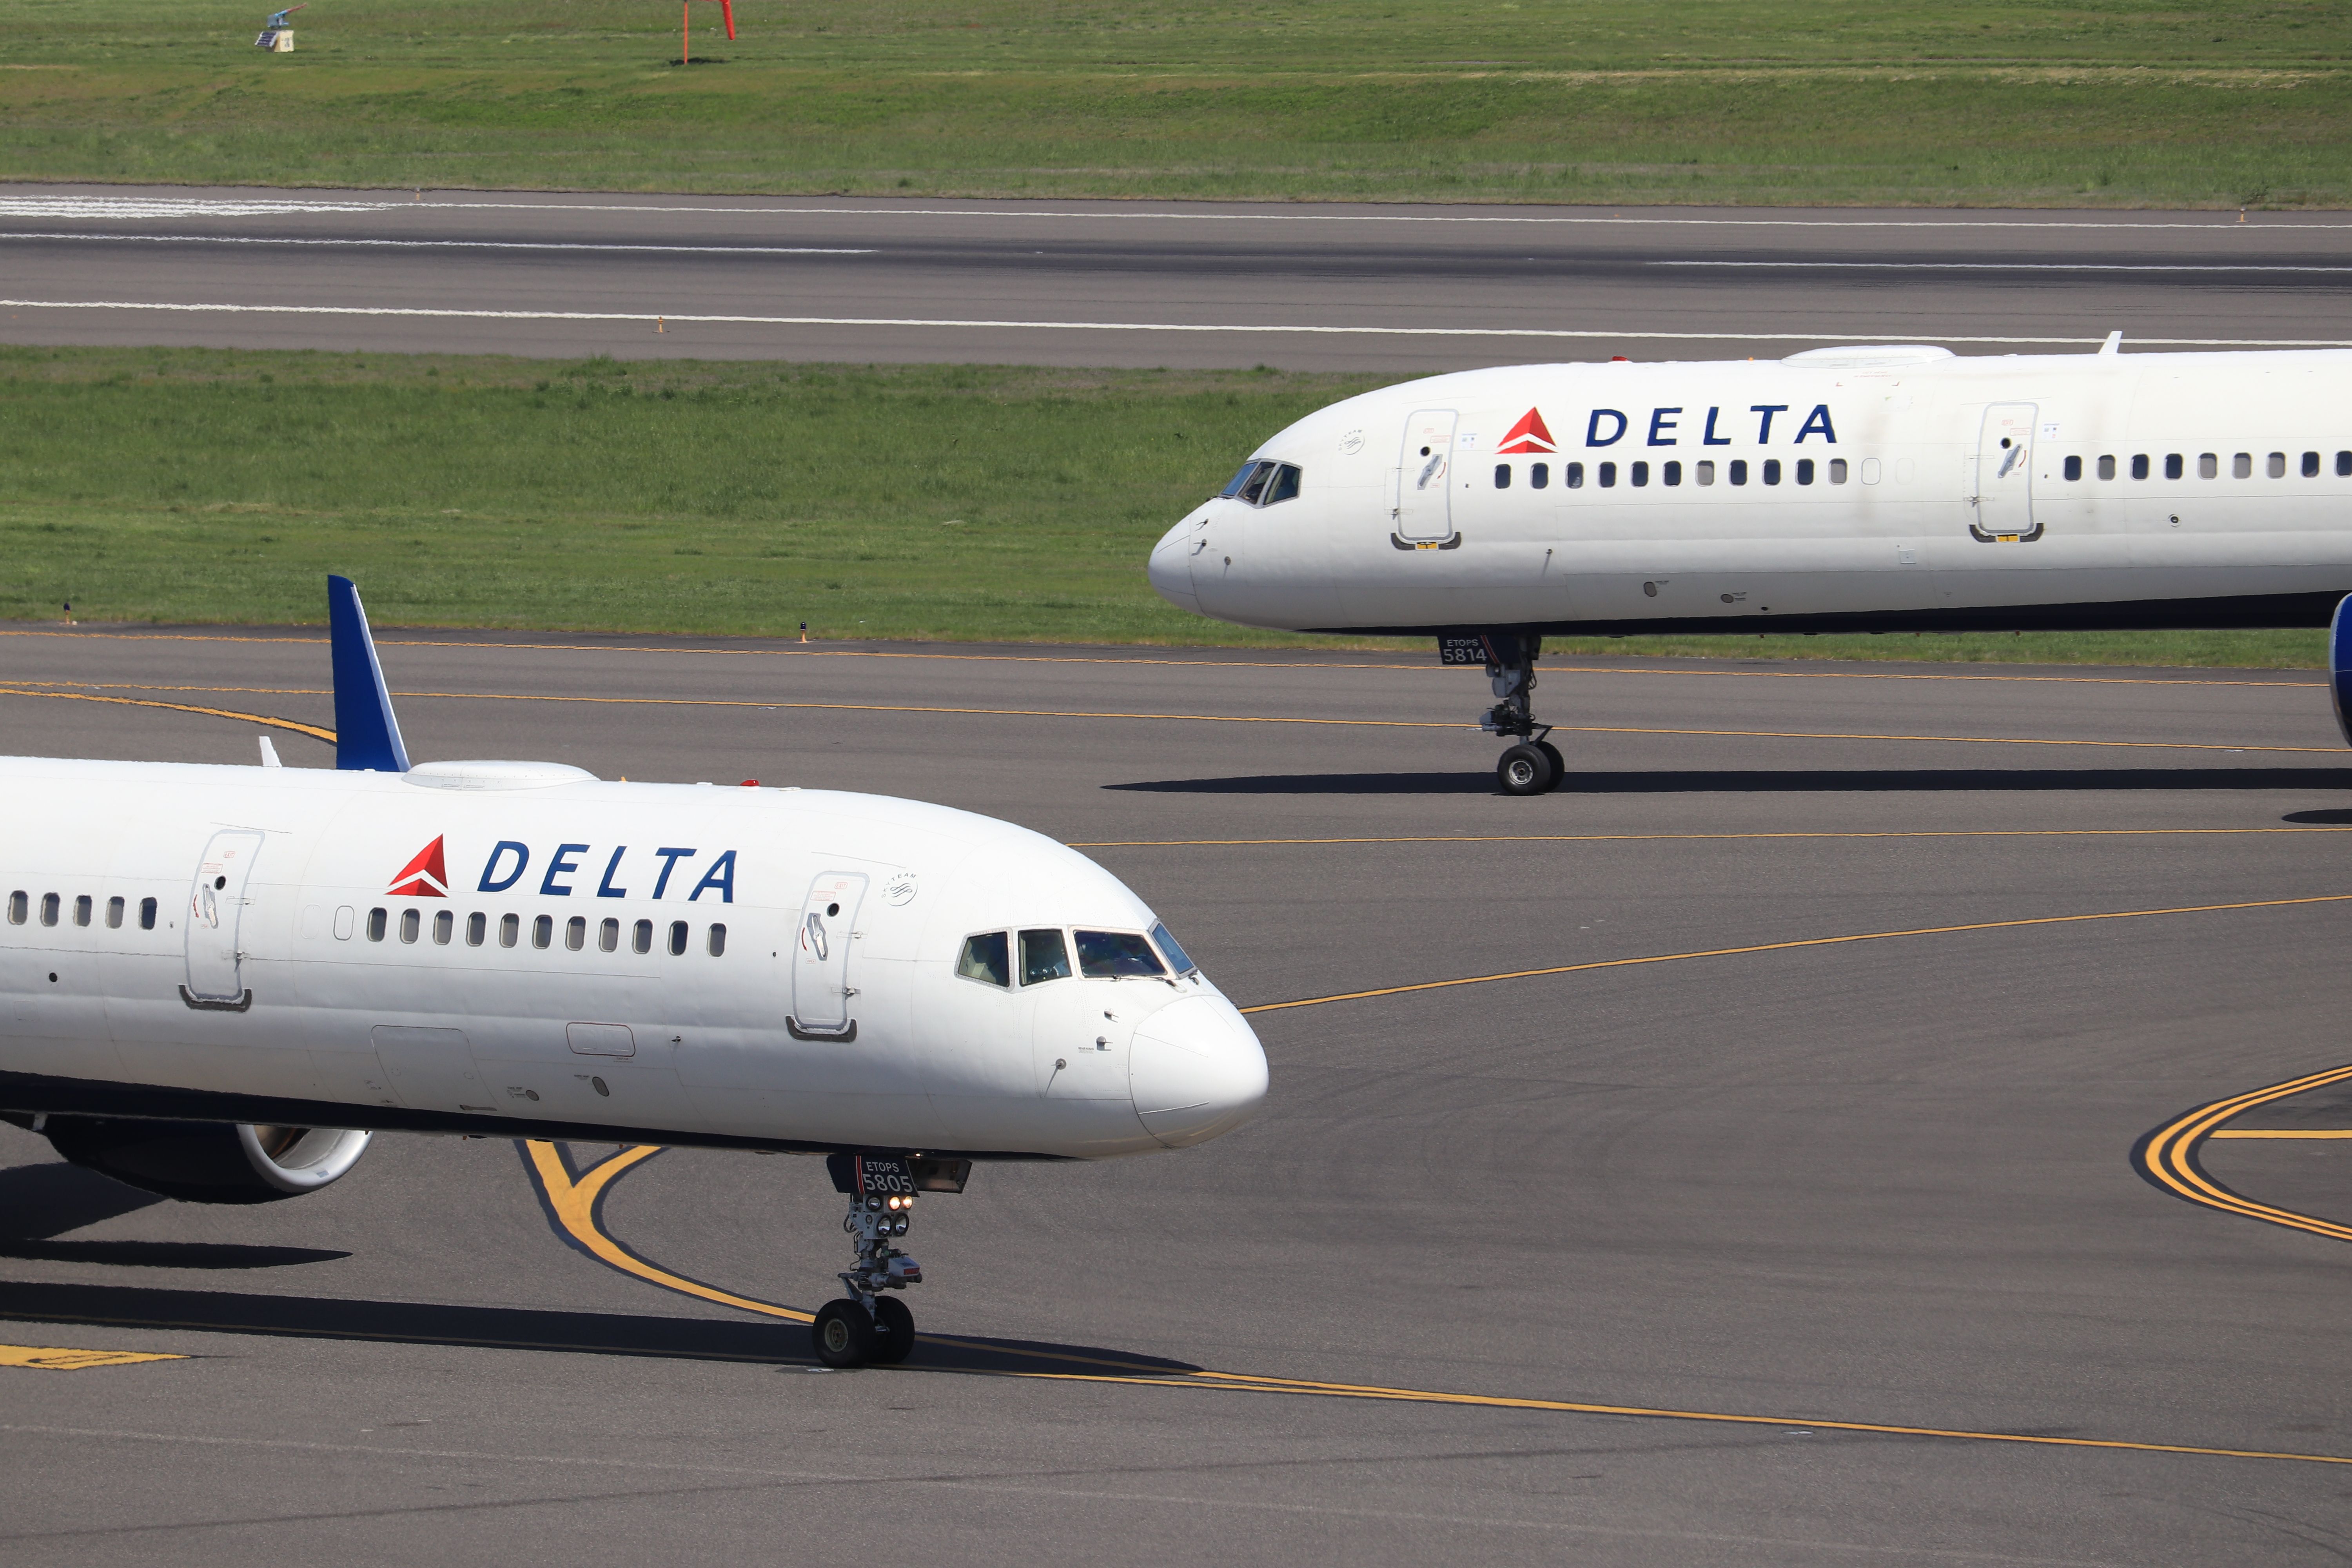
[1534, 764]
[869, 1327]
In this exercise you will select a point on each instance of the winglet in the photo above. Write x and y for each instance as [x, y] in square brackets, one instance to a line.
[2112, 346]
[367, 736]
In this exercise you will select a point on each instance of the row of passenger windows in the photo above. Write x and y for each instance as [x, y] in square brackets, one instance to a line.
[2209, 465]
[1638, 474]
[1045, 955]
[542, 931]
[20, 910]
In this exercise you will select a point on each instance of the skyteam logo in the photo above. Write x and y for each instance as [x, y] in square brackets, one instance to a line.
[425, 877]
[1529, 435]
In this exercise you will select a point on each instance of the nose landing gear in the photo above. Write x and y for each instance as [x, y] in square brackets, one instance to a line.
[1534, 764]
[869, 1326]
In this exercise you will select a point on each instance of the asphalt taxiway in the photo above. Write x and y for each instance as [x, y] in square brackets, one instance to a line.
[1777, 1146]
[1301, 287]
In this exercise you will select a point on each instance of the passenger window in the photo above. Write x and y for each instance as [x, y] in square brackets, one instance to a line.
[1539, 476]
[445, 926]
[1573, 475]
[1672, 474]
[2074, 467]
[1608, 476]
[1706, 472]
[2276, 467]
[114, 915]
[2311, 465]
[2107, 467]
[509, 929]
[1501, 475]
[1870, 470]
[1116, 954]
[147, 916]
[2343, 464]
[1253, 487]
[2172, 465]
[376, 919]
[410, 923]
[717, 943]
[575, 933]
[1837, 470]
[48, 909]
[542, 931]
[20, 906]
[2139, 466]
[1804, 470]
[82, 909]
[641, 938]
[1044, 957]
[478, 929]
[1771, 470]
[1641, 474]
[2241, 467]
[1738, 471]
[608, 937]
[2208, 466]
[1285, 484]
[1171, 950]
[677, 939]
[984, 959]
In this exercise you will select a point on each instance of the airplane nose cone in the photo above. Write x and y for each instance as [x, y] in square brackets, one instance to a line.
[1197, 1071]
[1171, 568]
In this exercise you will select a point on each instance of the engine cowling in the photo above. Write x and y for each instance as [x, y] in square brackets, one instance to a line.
[208, 1161]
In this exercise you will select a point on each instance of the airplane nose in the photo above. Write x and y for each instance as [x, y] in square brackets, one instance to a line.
[1171, 570]
[1196, 1070]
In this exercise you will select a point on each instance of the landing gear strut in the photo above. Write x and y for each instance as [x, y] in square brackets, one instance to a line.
[869, 1326]
[1532, 765]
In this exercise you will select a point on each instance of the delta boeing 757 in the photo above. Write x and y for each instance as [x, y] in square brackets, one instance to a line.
[215, 983]
[1843, 489]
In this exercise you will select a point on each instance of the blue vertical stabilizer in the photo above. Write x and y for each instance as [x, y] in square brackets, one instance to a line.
[366, 733]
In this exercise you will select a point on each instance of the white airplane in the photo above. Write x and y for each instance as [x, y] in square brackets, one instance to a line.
[1869, 489]
[219, 980]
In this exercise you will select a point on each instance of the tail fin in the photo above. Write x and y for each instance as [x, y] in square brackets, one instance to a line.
[367, 736]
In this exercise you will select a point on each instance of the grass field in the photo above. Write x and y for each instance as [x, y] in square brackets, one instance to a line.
[205, 485]
[1966, 101]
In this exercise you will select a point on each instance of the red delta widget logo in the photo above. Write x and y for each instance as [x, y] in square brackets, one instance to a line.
[1529, 435]
[427, 875]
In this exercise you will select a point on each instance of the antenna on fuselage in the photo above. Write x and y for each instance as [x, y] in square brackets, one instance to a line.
[367, 736]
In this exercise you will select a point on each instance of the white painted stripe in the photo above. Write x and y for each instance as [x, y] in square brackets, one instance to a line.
[2017, 266]
[452, 244]
[150, 207]
[936, 322]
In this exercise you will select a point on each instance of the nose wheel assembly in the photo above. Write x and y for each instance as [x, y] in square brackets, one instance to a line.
[1532, 764]
[870, 1326]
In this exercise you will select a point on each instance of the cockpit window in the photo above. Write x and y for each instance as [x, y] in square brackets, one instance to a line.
[983, 959]
[1169, 949]
[1116, 954]
[1044, 956]
[1264, 483]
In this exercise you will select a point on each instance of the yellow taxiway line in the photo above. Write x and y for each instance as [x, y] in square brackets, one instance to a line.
[311, 730]
[2280, 1132]
[2167, 1156]
[53, 1358]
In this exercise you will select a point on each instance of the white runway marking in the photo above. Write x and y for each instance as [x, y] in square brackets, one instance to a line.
[2022, 266]
[120, 207]
[455, 244]
[1620, 335]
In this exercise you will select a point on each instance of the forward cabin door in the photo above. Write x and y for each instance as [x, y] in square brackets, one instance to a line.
[822, 992]
[215, 911]
[2005, 474]
[1423, 477]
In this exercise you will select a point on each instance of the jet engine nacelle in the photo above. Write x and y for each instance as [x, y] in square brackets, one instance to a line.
[208, 1161]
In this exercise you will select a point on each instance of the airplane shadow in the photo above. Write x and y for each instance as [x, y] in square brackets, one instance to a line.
[40, 1204]
[1776, 782]
[523, 1328]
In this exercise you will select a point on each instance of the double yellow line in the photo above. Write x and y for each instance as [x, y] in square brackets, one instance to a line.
[2167, 1156]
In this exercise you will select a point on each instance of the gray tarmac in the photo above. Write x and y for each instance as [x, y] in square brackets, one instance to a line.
[1886, 1182]
[1378, 289]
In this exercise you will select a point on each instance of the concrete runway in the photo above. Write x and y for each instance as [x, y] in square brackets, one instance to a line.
[1383, 289]
[1888, 1183]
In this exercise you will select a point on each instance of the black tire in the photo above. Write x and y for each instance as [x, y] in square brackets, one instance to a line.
[1559, 765]
[1524, 770]
[893, 1330]
[842, 1335]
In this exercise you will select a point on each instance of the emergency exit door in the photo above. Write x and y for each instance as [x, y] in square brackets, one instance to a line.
[2005, 487]
[214, 917]
[1423, 477]
[822, 988]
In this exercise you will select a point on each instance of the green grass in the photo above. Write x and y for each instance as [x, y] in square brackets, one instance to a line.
[952, 502]
[1966, 101]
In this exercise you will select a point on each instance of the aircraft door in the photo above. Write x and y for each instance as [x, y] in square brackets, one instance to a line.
[822, 992]
[1422, 487]
[215, 911]
[2004, 489]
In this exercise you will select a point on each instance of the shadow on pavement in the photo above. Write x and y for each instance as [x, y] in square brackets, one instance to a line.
[522, 1328]
[39, 1202]
[1790, 781]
